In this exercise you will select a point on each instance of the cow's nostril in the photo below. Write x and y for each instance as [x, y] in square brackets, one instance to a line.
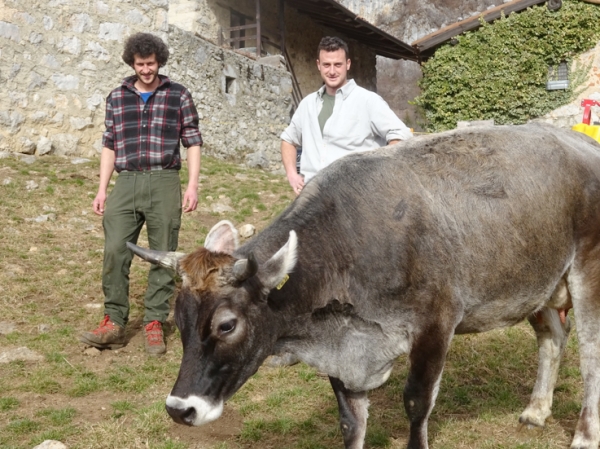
[189, 415]
[182, 415]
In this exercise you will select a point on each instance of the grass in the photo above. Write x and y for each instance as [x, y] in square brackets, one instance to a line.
[50, 278]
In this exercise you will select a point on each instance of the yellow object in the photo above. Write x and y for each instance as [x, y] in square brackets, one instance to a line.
[283, 281]
[590, 130]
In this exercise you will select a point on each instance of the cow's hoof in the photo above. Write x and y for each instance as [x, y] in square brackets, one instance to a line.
[531, 424]
[529, 429]
[532, 421]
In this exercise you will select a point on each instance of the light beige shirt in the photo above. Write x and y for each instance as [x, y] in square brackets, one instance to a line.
[361, 121]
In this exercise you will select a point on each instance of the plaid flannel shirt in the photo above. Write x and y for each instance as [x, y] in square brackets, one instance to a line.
[146, 136]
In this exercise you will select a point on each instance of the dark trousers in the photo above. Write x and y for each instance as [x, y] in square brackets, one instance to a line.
[154, 198]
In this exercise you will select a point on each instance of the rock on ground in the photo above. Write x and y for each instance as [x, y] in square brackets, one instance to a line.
[7, 328]
[23, 354]
[247, 230]
[51, 444]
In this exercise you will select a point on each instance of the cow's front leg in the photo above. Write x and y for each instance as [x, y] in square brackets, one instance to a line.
[552, 335]
[427, 357]
[353, 414]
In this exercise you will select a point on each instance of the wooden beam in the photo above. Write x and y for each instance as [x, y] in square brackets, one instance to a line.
[446, 33]
[258, 49]
[239, 39]
[241, 27]
[281, 11]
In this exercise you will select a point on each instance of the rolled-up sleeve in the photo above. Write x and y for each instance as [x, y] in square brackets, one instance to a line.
[108, 137]
[385, 122]
[293, 133]
[190, 133]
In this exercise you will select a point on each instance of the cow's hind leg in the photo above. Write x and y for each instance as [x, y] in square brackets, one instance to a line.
[427, 358]
[552, 335]
[353, 414]
[584, 285]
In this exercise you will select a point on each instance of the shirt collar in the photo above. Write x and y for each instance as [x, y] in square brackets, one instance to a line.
[129, 82]
[344, 90]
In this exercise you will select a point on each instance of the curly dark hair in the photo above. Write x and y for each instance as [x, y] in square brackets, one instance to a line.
[332, 43]
[145, 45]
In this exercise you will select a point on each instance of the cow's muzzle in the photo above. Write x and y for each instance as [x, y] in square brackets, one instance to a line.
[193, 410]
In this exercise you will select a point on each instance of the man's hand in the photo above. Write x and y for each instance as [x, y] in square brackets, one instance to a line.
[98, 204]
[288, 157]
[190, 199]
[297, 182]
[107, 166]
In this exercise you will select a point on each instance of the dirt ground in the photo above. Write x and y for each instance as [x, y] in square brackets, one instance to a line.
[50, 260]
[50, 289]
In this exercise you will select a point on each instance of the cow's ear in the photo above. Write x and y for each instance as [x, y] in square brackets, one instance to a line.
[222, 238]
[272, 272]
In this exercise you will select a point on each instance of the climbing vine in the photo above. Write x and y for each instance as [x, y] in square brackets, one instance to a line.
[500, 70]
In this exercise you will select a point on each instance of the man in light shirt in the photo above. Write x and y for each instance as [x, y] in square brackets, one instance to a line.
[340, 118]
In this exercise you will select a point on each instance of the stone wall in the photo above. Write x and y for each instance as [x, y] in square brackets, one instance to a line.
[60, 58]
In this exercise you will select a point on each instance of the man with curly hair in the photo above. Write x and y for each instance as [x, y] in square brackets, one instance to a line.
[147, 117]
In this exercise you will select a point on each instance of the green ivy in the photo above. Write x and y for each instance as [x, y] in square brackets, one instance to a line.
[500, 70]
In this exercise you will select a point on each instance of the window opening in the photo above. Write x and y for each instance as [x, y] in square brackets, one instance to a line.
[237, 20]
[229, 85]
[558, 77]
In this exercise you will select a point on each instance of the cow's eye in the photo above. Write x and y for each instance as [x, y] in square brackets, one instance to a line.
[227, 326]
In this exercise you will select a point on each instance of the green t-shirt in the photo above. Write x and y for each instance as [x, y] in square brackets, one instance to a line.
[326, 110]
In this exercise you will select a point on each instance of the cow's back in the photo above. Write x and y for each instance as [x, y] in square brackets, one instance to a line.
[489, 213]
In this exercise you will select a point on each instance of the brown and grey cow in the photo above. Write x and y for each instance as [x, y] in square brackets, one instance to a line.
[395, 251]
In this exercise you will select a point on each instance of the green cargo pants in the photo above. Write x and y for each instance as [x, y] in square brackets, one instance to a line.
[151, 197]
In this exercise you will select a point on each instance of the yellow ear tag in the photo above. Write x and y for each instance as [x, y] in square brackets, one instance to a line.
[283, 281]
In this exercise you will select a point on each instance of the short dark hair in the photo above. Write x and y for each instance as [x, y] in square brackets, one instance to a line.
[332, 43]
[145, 45]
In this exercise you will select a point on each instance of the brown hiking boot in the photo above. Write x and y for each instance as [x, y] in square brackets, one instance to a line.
[154, 339]
[107, 336]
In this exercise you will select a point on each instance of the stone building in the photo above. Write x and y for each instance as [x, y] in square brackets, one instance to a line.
[292, 28]
[60, 58]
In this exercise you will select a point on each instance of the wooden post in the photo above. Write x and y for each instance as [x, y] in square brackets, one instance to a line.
[282, 25]
[220, 37]
[258, 33]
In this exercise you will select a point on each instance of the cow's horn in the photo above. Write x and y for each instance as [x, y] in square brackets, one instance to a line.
[245, 268]
[167, 259]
